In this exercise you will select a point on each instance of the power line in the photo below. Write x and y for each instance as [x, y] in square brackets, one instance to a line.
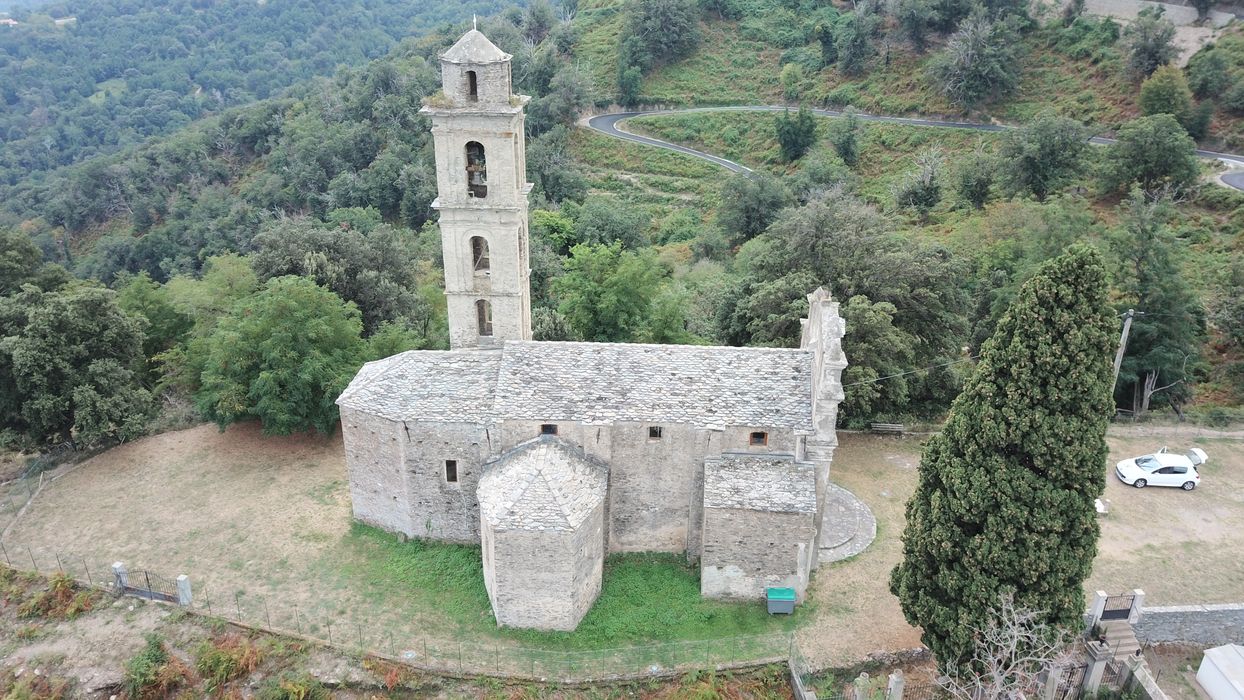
[912, 371]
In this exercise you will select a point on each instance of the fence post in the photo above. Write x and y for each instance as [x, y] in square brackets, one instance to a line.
[1099, 655]
[1138, 601]
[297, 620]
[6, 555]
[184, 595]
[237, 601]
[1099, 606]
[894, 686]
[1052, 677]
[121, 577]
[861, 686]
[32, 559]
[266, 616]
[59, 566]
[87, 569]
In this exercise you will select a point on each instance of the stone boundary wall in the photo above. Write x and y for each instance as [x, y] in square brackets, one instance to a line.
[1210, 625]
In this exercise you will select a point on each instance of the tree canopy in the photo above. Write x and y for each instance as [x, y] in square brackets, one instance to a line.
[1005, 500]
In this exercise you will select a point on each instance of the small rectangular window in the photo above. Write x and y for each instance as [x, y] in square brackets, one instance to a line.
[548, 429]
[451, 471]
[654, 432]
[759, 439]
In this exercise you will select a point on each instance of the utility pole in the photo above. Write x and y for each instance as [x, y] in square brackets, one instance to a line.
[1118, 357]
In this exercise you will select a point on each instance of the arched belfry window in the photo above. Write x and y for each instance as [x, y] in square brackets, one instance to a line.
[476, 170]
[479, 253]
[472, 86]
[483, 316]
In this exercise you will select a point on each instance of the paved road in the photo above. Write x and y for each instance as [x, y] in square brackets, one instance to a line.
[610, 124]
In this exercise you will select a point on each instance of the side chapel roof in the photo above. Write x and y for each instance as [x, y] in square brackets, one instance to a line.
[542, 484]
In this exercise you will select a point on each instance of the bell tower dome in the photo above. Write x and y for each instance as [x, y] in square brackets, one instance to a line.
[482, 188]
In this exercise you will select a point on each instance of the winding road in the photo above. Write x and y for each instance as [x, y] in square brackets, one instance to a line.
[611, 125]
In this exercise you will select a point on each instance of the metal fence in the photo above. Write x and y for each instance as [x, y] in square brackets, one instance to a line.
[355, 634]
[14, 495]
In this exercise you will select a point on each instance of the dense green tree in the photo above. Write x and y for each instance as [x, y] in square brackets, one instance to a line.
[1165, 344]
[921, 188]
[890, 352]
[1208, 74]
[551, 168]
[1005, 500]
[853, 37]
[844, 135]
[1233, 99]
[749, 203]
[557, 229]
[1202, 8]
[838, 241]
[282, 357]
[915, 20]
[538, 20]
[630, 79]
[142, 297]
[974, 177]
[667, 29]
[360, 259]
[1043, 155]
[68, 367]
[980, 60]
[1148, 43]
[795, 134]
[606, 293]
[1166, 92]
[19, 259]
[1154, 152]
[824, 32]
[604, 219]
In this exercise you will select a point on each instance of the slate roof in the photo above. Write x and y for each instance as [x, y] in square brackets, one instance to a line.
[773, 483]
[474, 47]
[705, 387]
[541, 485]
[435, 385]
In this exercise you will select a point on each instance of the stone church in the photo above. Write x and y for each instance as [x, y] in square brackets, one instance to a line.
[551, 455]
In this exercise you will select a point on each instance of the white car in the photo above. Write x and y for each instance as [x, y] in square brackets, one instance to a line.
[1162, 468]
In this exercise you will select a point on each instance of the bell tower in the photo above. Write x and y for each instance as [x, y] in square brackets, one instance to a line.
[481, 177]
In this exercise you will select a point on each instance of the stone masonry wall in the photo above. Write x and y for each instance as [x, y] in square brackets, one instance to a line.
[655, 486]
[746, 551]
[589, 553]
[533, 579]
[438, 508]
[1210, 625]
[378, 488]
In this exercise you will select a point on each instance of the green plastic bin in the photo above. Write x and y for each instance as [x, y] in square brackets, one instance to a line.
[780, 600]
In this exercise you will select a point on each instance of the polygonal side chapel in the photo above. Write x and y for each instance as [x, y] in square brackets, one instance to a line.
[552, 455]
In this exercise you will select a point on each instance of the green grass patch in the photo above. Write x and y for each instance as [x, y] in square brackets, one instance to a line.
[645, 598]
[728, 68]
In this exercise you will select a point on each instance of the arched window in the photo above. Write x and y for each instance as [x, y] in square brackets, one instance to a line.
[472, 86]
[483, 316]
[479, 253]
[476, 170]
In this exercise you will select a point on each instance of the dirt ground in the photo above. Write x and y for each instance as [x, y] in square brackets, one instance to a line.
[257, 521]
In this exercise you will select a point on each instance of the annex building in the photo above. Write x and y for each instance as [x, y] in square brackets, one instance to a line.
[551, 455]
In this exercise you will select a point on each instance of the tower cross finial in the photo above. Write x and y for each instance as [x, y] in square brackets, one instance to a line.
[474, 22]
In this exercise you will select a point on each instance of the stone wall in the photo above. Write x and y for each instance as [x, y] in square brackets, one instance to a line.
[746, 551]
[440, 509]
[1198, 624]
[538, 579]
[374, 455]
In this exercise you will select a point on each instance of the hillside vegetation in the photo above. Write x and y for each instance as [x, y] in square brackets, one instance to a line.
[125, 70]
[228, 241]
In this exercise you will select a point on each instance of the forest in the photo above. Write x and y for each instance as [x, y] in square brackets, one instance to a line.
[243, 266]
[126, 70]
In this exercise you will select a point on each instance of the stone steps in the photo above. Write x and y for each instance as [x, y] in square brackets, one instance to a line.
[1120, 638]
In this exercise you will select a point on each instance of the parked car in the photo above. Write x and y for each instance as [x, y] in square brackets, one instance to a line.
[1163, 468]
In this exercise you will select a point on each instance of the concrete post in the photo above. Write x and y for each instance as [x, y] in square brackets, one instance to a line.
[1049, 691]
[121, 577]
[184, 595]
[1099, 606]
[894, 687]
[1138, 601]
[862, 686]
[1099, 655]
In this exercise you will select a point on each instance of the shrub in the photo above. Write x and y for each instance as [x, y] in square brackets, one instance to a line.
[292, 687]
[153, 672]
[1149, 43]
[1207, 73]
[1166, 92]
[1233, 100]
[61, 600]
[222, 659]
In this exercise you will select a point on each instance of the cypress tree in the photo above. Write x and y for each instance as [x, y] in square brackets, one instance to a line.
[1005, 501]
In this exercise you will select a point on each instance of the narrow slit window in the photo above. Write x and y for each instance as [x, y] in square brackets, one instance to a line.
[479, 253]
[451, 471]
[476, 170]
[759, 439]
[548, 429]
[654, 432]
[483, 316]
[472, 86]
